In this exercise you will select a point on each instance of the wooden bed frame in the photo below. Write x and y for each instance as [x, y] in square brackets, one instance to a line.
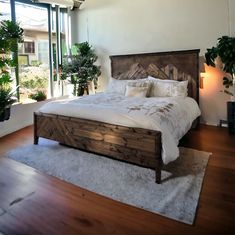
[133, 145]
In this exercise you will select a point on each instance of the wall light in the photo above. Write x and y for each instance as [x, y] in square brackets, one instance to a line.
[201, 81]
[202, 71]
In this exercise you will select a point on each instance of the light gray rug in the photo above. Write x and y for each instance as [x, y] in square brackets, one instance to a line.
[177, 197]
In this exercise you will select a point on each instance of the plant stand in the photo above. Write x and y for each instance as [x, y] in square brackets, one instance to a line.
[5, 115]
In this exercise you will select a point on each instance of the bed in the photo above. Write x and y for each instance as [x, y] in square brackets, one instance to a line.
[132, 144]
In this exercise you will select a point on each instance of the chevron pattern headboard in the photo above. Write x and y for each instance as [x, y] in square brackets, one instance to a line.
[176, 65]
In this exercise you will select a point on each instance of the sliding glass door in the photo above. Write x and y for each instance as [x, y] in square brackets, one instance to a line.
[5, 10]
[33, 53]
[46, 41]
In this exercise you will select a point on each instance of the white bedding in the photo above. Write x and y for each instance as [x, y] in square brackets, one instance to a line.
[172, 116]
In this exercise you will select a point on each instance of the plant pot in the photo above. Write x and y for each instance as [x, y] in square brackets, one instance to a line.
[233, 87]
[82, 89]
[5, 115]
[40, 99]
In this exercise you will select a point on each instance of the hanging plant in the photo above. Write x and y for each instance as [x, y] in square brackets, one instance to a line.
[10, 34]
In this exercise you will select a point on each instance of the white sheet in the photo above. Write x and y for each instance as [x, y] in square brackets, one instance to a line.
[173, 116]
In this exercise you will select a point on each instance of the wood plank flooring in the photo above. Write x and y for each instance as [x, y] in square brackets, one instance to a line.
[32, 203]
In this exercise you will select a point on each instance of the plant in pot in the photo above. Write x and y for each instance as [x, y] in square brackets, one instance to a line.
[39, 95]
[224, 51]
[10, 35]
[7, 98]
[81, 68]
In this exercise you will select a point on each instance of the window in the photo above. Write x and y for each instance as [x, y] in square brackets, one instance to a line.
[26, 48]
[29, 47]
[34, 72]
[5, 10]
[39, 56]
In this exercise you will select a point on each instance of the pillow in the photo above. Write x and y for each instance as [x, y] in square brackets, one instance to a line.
[154, 71]
[117, 86]
[153, 79]
[136, 71]
[169, 89]
[179, 89]
[136, 91]
[142, 83]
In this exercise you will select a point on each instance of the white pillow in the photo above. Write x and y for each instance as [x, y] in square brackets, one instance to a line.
[117, 86]
[136, 91]
[152, 79]
[168, 88]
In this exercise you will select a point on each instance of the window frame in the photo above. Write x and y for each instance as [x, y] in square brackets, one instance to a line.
[58, 41]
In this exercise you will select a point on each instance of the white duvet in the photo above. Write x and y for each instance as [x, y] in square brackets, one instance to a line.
[173, 116]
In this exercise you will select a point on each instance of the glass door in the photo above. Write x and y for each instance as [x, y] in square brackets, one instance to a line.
[33, 53]
[5, 10]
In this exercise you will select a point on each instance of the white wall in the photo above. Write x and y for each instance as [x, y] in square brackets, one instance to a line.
[122, 27]
[231, 5]
[21, 116]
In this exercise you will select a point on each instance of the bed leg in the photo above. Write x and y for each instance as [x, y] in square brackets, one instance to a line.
[35, 129]
[36, 140]
[158, 176]
[158, 171]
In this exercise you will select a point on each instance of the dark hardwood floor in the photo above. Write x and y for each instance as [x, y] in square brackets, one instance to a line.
[32, 203]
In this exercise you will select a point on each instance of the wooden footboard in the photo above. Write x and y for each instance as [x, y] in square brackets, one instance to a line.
[133, 145]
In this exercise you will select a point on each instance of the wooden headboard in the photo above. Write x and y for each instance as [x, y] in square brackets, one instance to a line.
[178, 65]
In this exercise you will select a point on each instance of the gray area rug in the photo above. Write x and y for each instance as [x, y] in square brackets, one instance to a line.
[177, 197]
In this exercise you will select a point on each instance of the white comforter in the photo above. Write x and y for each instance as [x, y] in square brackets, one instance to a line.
[172, 116]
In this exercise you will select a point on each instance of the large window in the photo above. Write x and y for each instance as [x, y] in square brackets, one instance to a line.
[29, 47]
[5, 10]
[34, 76]
[39, 56]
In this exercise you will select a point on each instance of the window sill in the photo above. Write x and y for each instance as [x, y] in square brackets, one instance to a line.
[29, 101]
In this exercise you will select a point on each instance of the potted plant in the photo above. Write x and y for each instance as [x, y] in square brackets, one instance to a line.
[10, 35]
[225, 51]
[7, 98]
[81, 68]
[39, 95]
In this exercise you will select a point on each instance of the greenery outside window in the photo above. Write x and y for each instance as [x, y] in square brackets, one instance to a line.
[36, 62]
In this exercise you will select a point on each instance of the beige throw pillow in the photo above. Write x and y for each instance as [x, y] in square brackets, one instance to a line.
[135, 91]
[141, 83]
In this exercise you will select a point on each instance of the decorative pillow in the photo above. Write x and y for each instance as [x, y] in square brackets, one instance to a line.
[154, 71]
[136, 91]
[136, 71]
[179, 89]
[153, 79]
[117, 86]
[142, 83]
[169, 89]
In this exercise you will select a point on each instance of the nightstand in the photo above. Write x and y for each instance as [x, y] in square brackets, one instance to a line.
[231, 116]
